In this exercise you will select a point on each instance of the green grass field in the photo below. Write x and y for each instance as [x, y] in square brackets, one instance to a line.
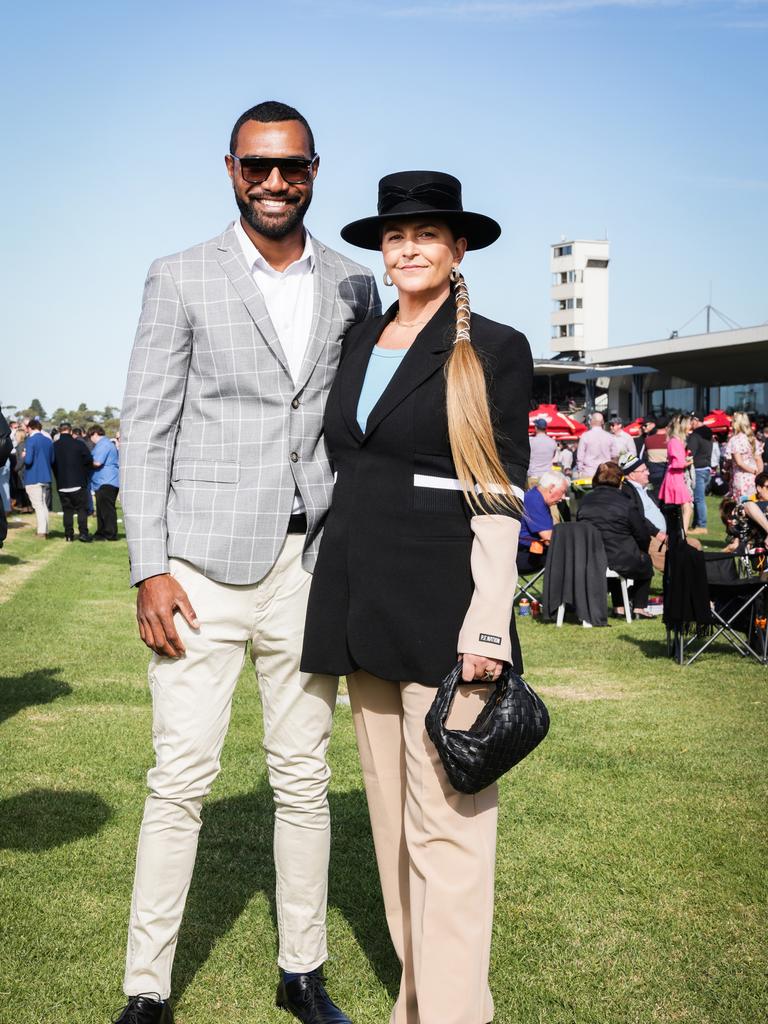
[631, 880]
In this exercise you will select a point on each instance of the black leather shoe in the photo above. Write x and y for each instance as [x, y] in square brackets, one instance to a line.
[305, 997]
[85, 538]
[144, 1010]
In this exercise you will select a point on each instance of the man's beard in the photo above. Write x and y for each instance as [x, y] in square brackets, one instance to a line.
[270, 227]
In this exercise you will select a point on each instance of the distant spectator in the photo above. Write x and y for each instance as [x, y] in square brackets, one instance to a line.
[746, 455]
[646, 429]
[595, 446]
[625, 535]
[622, 441]
[699, 444]
[564, 457]
[73, 472]
[656, 451]
[543, 451]
[537, 522]
[19, 498]
[674, 490]
[105, 482]
[6, 447]
[38, 462]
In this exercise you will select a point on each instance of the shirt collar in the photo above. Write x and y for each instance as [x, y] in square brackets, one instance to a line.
[254, 258]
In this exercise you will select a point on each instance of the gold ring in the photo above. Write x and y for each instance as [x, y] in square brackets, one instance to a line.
[488, 676]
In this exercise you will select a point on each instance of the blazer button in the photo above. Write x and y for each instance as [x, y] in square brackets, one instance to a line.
[294, 456]
[295, 403]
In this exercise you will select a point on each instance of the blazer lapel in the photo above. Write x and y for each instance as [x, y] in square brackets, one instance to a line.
[427, 354]
[324, 287]
[233, 263]
[352, 370]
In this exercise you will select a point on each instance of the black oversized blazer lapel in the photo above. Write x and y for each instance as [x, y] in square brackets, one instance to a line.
[427, 354]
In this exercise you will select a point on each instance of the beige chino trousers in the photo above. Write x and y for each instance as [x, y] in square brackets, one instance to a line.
[435, 848]
[192, 699]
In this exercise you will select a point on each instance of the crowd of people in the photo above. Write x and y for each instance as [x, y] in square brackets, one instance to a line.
[81, 466]
[636, 485]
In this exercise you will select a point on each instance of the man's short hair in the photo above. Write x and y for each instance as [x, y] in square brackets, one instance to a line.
[96, 429]
[615, 421]
[65, 425]
[267, 113]
[552, 478]
[761, 480]
[35, 424]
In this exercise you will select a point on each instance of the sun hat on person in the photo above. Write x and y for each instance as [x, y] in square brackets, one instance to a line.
[422, 194]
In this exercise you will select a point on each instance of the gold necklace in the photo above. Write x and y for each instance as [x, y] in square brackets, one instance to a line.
[413, 323]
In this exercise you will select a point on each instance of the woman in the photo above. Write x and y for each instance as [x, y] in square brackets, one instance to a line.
[674, 490]
[625, 534]
[746, 455]
[427, 425]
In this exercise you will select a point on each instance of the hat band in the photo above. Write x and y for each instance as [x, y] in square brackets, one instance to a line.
[430, 195]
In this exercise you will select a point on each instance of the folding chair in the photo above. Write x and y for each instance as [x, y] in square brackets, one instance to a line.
[529, 585]
[735, 605]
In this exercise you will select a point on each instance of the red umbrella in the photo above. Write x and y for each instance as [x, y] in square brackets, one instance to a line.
[559, 425]
[719, 422]
[634, 428]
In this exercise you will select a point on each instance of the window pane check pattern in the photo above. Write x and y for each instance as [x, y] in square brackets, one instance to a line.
[216, 435]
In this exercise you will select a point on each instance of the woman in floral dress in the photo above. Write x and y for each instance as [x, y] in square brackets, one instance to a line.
[746, 455]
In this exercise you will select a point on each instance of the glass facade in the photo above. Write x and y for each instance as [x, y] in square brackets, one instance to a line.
[751, 398]
[668, 401]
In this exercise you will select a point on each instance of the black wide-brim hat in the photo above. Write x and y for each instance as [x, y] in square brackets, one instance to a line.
[422, 193]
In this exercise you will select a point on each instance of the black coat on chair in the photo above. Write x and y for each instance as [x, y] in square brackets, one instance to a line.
[623, 529]
[393, 581]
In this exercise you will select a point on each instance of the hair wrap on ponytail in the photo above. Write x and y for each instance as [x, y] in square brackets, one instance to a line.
[470, 431]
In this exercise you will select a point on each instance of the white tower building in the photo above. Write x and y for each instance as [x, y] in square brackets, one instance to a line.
[579, 296]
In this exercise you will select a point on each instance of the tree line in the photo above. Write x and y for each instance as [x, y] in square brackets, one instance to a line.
[82, 416]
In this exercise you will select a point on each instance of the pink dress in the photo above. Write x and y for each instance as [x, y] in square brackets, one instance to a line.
[742, 482]
[674, 490]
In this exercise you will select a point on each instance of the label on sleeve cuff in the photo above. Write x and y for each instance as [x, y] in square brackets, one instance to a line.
[488, 638]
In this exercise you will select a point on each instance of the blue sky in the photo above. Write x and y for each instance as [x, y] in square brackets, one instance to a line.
[645, 119]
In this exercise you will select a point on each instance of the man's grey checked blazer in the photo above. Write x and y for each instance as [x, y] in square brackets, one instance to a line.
[215, 435]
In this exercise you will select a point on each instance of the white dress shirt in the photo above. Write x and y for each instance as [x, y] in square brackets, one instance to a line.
[289, 297]
[288, 294]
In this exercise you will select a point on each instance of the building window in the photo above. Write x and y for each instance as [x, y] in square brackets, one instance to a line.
[601, 264]
[574, 277]
[563, 250]
[579, 304]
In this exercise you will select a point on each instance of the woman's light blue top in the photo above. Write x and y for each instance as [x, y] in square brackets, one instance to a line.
[381, 370]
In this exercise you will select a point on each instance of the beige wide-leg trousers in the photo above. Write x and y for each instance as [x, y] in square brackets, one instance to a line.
[436, 852]
[192, 699]
[38, 495]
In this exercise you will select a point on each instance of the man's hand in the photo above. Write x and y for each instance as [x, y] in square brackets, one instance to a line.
[158, 598]
[474, 666]
[661, 537]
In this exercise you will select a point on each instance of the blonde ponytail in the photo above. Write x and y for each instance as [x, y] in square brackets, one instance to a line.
[470, 431]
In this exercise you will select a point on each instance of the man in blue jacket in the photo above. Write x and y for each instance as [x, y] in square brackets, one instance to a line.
[38, 460]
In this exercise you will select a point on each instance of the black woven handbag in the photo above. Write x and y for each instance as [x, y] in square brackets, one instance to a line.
[513, 722]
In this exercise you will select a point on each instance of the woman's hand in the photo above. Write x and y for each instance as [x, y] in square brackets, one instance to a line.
[475, 666]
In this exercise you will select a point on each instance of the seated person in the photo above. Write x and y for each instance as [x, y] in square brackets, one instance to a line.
[746, 522]
[537, 523]
[625, 535]
[758, 510]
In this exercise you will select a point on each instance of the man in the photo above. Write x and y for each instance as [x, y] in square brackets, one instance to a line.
[646, 429]
[225, 486]
[543, 451]
[699, 443]
[595, 446]
[537, 522]
[656, 452]
[72, 469]
[622, 441]
[105, 482]
[38, 462]
[635, 484]
[6, 447]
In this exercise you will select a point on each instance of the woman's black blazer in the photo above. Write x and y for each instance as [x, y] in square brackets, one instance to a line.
[393, 582]
[623, 528]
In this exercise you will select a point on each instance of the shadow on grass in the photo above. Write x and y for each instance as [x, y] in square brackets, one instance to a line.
[41, 819]
[38, 687]
[12, 560]
[234, 862]
[650, 648]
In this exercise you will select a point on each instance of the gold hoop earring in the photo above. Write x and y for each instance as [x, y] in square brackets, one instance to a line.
[455, 273]
[388, 282]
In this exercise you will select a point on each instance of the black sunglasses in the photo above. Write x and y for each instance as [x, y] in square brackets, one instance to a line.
[293, 170]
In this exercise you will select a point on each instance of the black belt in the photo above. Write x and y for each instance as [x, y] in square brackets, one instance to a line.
[297, 523]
